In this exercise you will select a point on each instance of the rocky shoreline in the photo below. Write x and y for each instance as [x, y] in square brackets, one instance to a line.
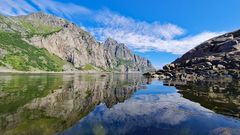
[217, 58]
[190, 75]
[64, 72]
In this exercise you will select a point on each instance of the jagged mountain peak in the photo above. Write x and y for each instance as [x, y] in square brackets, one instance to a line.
[37, 14]
[72, 44]
[114, 43]
[41, 17]
[110, 41]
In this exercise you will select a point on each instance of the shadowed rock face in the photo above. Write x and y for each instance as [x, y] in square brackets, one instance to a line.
[59, 101]
[73, 44]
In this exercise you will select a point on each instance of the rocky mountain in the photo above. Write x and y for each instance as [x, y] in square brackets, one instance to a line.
[120, 57]
[217, 57]
[44, 42]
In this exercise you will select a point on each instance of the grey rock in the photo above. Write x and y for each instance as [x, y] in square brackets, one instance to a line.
[169, 67]
[162, 77]
[73, 44]
[208, 64]
[219, 66]
[155, 76]
[119, 55]
[216, 58]
[168, 74]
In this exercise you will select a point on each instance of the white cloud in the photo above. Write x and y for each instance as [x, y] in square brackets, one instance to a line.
[21, 7]
[117, 22]
[11, 7]
[146, 111]
[139, 35]
[143, 36]
[63, 9]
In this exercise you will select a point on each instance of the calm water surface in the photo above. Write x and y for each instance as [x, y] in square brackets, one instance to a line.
[116, 104]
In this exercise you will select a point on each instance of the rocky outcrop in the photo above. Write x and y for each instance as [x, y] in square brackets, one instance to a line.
[119, 57]
[74, 45]
[216, 58]
[71, 43]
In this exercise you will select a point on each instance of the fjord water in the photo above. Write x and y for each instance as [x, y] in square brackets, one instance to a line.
[115, 104]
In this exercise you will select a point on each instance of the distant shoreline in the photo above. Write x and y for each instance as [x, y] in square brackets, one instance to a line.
[66, 72]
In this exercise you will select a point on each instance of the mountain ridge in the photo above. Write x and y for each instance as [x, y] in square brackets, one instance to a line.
[77, 49]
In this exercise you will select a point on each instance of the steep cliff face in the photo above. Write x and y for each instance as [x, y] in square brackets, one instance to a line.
[73, 45]
[120, 58]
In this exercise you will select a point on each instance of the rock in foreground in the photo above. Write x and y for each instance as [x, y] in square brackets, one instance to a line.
[216, 58]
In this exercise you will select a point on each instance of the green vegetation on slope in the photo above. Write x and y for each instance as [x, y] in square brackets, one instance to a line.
[88, 67]
[25, 57]
[7, 22]
[1, 64]
[27, 27]
[92, 67]
[37, 28]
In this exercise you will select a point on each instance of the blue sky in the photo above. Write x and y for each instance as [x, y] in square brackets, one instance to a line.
[160, 30]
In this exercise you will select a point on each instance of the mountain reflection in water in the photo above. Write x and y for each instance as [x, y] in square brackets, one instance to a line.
[115, 104]
[48, 103]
